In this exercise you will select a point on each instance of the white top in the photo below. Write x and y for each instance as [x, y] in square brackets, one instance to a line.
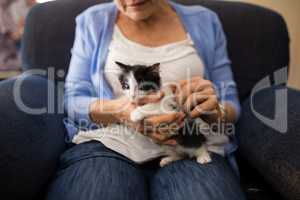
[178, 61]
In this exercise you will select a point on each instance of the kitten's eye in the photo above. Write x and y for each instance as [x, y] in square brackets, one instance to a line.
[148, 87]
[124, 82]
[125, 86]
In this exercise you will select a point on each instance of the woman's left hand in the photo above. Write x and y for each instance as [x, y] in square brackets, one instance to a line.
[197, 96]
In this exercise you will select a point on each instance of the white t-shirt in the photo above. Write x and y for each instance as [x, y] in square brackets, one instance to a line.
[178, 61]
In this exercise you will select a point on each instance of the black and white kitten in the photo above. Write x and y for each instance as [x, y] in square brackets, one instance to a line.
[139, 80]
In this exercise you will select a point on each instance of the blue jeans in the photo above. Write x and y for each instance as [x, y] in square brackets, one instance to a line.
[90, 171]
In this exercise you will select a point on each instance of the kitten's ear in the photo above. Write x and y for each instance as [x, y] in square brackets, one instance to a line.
[123, 66]
[155, 68]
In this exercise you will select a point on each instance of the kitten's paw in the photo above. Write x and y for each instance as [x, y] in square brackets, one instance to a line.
[136, 116]
[204, 158]
[167, 160]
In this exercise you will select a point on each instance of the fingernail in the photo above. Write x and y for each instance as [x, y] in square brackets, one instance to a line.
[181, 125]
[182, 114]
[171, 142]
[147, 122]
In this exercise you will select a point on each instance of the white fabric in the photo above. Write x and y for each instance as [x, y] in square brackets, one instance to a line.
[178, 61]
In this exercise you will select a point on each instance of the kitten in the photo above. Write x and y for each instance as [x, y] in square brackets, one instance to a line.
[139, 80]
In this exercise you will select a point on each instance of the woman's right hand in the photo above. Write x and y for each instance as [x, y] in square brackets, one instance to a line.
[124, 107]
[119, 111]
[159, 127]
[122, 113]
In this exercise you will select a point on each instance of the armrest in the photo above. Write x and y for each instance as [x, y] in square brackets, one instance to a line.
[30, 144]
[271, 144]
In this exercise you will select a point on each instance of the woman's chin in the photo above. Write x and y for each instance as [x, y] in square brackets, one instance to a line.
[139, 16]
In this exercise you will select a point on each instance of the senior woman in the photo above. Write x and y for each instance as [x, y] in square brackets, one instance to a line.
[190, 46]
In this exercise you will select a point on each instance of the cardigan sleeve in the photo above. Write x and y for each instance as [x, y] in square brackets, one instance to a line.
[221, 73]
[79, 90]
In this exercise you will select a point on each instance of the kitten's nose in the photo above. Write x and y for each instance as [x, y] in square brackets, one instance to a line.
[133, 98]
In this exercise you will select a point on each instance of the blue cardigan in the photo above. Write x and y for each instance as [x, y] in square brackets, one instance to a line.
[85, 81]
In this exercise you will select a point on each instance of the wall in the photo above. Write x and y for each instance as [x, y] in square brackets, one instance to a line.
[290, 9]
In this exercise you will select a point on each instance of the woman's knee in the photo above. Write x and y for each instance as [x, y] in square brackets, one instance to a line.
[98, 177]
[186, 179]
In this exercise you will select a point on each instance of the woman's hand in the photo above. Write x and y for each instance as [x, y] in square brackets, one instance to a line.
[118, 111]
[122, 112]
[161, 127]
[158, 127]
[197, 97]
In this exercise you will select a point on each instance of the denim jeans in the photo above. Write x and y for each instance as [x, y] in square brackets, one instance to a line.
[90, 171]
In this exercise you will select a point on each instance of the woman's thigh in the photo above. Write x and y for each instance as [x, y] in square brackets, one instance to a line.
[186, 179]
[90, 171]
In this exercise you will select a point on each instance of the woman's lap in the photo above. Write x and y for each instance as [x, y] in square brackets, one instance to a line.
[90, 171]
[186, 179]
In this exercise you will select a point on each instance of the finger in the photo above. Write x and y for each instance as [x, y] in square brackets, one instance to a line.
[166, 128]
[193, 79]
[201, 86]
[179, 122]
[124, 103]
[165, 118]
[180, 118]
[151, 98]
[197, 97]
[189, 88]
[207, 106]
[194, 100]
[207, 91]
[138, 127]
[173, 87]
[171, 142]
[169, 129]
[158, 138]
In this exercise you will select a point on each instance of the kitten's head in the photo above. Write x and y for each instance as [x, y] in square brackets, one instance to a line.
[139, 80]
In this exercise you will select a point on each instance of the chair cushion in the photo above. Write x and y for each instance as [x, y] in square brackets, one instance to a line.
[273, 151]
[32, 136]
